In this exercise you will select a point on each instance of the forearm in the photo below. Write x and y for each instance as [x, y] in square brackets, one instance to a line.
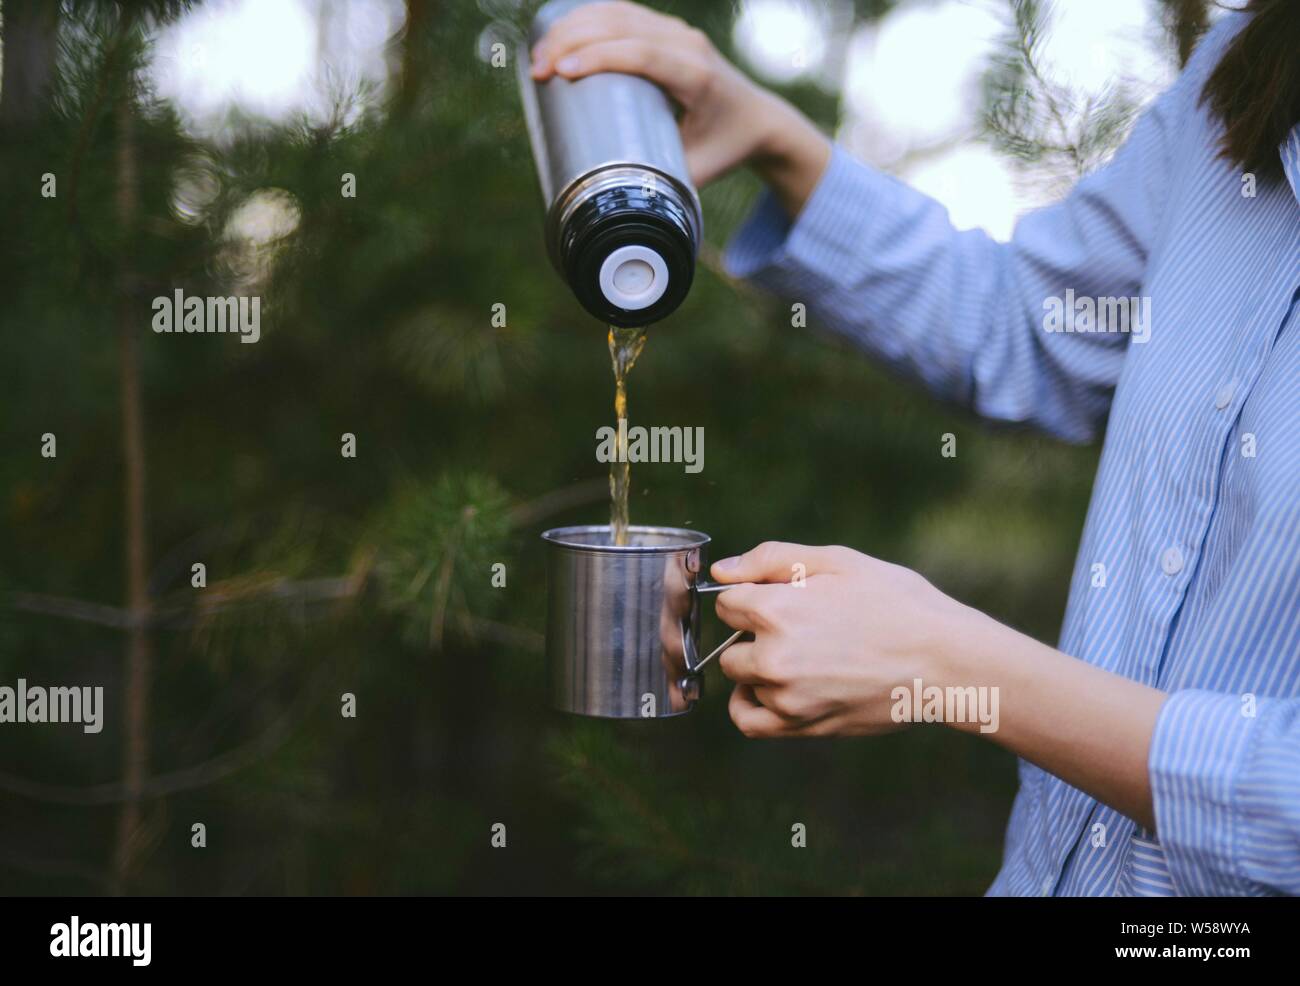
[1087, 726]
[881, 264]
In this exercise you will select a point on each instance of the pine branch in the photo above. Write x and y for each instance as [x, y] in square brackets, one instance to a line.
[190, 778]
[632, 827]
[558, 501]
[1038, 121]
[79, 610]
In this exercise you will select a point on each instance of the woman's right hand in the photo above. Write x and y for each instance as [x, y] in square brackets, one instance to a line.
[727, 120]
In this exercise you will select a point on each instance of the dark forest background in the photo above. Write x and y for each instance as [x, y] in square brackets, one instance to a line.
[372, 575]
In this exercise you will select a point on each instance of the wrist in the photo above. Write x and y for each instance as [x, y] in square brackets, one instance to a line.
[969, 657]
[770, 118]
[790, 153]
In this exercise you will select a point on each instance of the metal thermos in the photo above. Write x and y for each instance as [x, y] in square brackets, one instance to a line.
[623, 222]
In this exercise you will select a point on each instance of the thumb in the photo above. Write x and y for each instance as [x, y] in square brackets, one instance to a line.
[775, 561]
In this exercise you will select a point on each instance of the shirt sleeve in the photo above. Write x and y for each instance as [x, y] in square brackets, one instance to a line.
[1225, 780]
[969, 317]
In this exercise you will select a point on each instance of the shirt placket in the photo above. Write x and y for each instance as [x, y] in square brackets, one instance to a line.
[1177, 557]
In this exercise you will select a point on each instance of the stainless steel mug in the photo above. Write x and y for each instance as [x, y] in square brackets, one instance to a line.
[623, 222]
[623, 621]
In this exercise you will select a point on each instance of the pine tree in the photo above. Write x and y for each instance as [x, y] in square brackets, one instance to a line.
[419, 316]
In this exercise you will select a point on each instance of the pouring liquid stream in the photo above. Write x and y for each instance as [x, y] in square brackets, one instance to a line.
[625, 346]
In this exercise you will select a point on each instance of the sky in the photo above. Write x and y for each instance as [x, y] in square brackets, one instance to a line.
[909, 83]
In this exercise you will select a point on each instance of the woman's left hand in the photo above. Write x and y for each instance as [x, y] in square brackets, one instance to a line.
[828, 654]
[835, 632]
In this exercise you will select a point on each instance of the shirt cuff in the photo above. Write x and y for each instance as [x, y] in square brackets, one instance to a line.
[823, 245]
[1199, 752]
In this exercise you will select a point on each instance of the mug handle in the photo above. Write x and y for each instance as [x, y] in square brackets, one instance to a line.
[708, 589]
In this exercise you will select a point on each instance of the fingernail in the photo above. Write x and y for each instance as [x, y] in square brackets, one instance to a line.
[726, 564]
[567, 64]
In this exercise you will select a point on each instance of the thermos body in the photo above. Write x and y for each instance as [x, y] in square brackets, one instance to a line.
[601, 121]
[623, 222]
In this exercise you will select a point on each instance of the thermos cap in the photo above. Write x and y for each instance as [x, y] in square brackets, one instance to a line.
[633, 277]
[625, 242]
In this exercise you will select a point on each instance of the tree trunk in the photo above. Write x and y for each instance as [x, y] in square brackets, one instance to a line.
[413, 63]
[135, 755]
[29, 37]
[1187, 21]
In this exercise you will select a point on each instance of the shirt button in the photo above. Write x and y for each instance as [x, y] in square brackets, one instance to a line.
[1171, 560]
[1224, 397]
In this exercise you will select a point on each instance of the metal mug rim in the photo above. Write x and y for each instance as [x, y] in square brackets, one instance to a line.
[689, 539]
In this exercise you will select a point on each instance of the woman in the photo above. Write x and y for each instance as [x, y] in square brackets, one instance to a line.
[1160, 745]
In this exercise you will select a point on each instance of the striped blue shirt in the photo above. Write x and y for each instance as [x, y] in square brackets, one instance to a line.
[1188, 573]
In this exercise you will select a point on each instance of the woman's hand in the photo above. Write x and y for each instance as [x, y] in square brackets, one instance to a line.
[727, 120]
[827, 656]
[835, 632]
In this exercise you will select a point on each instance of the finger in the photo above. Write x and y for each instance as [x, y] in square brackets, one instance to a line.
[748, 607]
[740, 663]
[598, 22]
[678, 73]
[780, 561]
[750, 717]
[798, 721]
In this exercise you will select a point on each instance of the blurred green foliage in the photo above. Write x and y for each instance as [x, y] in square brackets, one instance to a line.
[371, 576]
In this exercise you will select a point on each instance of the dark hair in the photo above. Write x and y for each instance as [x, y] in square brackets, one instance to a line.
[1255, 88]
